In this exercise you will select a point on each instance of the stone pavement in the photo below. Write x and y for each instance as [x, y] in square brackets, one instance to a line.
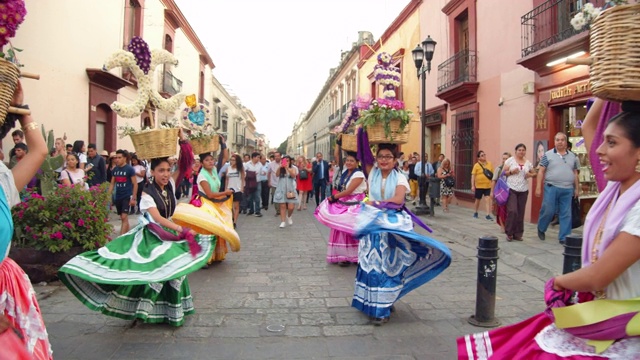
[280, 277]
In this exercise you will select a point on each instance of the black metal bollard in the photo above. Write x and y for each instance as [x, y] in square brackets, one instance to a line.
[486, 287]
[572, 253]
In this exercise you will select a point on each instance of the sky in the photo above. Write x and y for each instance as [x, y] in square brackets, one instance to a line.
[275, 55]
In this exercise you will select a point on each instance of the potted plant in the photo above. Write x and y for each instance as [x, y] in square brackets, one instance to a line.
[51, 230]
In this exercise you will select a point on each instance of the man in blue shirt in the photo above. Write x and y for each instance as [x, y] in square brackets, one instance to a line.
[423, 178]
[126, 186]
[321, 178]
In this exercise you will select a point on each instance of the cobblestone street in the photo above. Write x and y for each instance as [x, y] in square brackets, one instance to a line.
[280, 277]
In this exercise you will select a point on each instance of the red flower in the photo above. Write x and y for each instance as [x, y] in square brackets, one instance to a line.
[80, 222]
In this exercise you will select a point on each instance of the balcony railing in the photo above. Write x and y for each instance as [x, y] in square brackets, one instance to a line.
[330, 117]
[240, 140]
[344, 108]
[251, 143]
[457, 69]
[171, 84]
[550, 23]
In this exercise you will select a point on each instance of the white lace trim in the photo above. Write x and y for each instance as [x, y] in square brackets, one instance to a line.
[559, 342]
[30, 323]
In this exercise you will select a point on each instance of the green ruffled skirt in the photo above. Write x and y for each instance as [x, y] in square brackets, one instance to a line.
[138, 276]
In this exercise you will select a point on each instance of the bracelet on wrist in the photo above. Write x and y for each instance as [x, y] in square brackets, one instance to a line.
[30, 126]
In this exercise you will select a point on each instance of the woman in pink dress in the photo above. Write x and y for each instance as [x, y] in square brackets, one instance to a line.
[303, 181]
[339, 212]
[590, 312]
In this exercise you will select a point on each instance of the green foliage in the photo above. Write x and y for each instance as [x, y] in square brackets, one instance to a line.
[282, 149]
[47, 175]
[69, 216]
[382, 114]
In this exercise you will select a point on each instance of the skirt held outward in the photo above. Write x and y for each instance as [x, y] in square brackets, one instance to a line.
[341, 217]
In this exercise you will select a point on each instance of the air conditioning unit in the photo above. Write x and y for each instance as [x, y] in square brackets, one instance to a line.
[529, 88]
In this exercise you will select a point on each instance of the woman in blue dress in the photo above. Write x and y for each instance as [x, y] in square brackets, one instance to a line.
[392, 258]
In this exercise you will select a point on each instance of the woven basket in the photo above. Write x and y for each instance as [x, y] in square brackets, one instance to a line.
[205, 145]
[8, 80]
[156, 143]
[396, 136]
[615, 54]
[349, 142]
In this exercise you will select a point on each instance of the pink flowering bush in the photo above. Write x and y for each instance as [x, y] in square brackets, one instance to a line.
[66, 218]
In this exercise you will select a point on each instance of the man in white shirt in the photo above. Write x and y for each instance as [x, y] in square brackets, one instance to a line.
[423, 178]
[263, 179]
[244, 204]
[273, 179]
[251, 184]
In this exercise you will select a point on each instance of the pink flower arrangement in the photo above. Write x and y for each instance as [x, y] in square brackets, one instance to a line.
[12, 13]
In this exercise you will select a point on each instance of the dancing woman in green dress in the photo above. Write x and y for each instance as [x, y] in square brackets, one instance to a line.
[141, 275]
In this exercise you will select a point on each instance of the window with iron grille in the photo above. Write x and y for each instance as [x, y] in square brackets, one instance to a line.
[463, 141]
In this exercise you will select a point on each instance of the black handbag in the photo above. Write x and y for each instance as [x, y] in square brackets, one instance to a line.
[576, 216]
[449, 181]
[304, 174]
[488, 173]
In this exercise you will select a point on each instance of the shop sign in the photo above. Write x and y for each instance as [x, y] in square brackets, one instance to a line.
[570, 91]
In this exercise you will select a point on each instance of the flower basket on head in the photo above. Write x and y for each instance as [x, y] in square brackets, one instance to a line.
[349, 142]
[395, 134]
[615, 55]
[9, 74]
[203, 145]
[155, 143]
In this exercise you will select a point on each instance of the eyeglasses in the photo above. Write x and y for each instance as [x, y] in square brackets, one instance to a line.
[384, 157]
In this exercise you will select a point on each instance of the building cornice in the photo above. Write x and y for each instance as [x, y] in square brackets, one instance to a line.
[451, 6]
[172, 11]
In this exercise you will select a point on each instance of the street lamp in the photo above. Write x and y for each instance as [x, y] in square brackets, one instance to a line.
[315, 135]
[420, 54]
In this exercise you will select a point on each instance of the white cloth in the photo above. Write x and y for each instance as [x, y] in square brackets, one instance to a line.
[139, 168]
[273, 173]
[627, 285]
[250, 166]
[9, 185]
[77, 177]
[517, 182]
[402, 180]
[147, 202]
[357, 175]
[234, 179]
[83, 158]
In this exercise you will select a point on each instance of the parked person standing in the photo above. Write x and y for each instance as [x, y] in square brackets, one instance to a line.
[321, 178]
[436, 165]
[126, 187]
[96, 168]
[481, 177]
[19, 309]
[445, 172]
[251, 184]
[263, 179]
[501, 210]
[72, 175]
[304, 181]
[274, 165]
[141, 173]
[80, 148]
[18, 138]
[235, 182]
[339, 212]
[286, 194]
[518, 170]
[559, 169]
[413, 179]
[423, 178]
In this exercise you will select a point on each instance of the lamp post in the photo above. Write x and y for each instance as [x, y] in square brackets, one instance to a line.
[420, 54]
[315, 135]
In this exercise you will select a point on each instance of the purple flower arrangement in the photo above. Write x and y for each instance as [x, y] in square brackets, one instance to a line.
[140, 50]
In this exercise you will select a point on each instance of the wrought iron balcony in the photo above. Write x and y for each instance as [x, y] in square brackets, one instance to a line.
[459, 68]
[330, 117]
[457, 77]
[170, 84]
[240, 140]
[550, 23]
[251, 143]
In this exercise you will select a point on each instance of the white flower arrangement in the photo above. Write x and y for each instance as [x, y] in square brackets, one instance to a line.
[588, 13]
[146, 92]
[127, 129]
[389, 94]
